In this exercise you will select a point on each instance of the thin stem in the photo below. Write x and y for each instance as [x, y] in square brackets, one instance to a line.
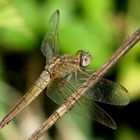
[92, 80]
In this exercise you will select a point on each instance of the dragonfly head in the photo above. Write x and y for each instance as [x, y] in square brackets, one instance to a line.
[84, 58]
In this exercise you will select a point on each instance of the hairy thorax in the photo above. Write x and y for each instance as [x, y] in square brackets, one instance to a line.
[61, 66]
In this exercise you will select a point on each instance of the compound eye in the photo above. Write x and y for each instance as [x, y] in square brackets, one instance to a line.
[85, 59]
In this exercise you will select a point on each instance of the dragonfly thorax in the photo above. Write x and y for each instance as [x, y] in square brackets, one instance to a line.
[84, 58]
[62, 66]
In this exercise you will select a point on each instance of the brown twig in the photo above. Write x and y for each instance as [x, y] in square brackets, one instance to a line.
[92, 80]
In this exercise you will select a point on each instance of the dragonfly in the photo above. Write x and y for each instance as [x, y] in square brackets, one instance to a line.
[63, 75]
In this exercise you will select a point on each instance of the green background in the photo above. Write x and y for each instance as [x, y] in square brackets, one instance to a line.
[96, 26]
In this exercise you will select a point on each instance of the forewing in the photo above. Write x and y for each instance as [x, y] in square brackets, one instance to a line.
[105, 91]
[50, 45]
[108, 92]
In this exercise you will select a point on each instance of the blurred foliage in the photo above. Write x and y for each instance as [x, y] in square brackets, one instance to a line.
[96, 26]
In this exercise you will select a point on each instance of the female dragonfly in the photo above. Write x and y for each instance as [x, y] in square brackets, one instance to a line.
[63, 74]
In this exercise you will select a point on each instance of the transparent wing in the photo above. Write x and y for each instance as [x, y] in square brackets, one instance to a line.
[109, 92]
[105, 91]
[89, 109]
[60, 90]
[50, 45]
[57, 91]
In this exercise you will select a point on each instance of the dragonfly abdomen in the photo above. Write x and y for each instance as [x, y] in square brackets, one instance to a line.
[31, 94]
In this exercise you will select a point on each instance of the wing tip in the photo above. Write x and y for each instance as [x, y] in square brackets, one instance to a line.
[114, 126]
